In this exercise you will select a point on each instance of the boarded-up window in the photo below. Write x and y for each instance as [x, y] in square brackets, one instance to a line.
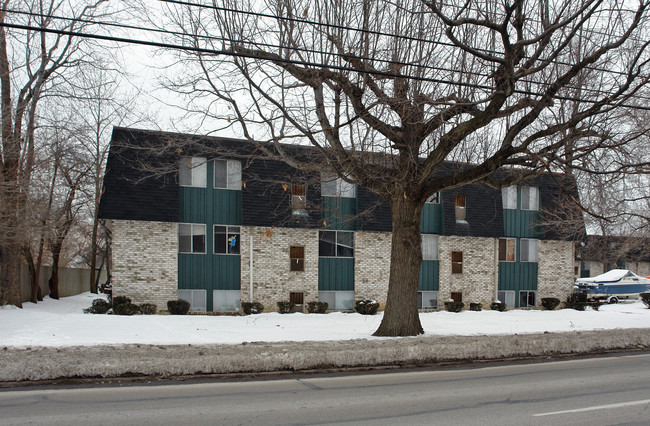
[507, 249]
[297, 255]
[456, 262]
[297, 297]
[460, 208]
[457, 296]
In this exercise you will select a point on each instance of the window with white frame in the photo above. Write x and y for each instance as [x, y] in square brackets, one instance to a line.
[226, 300]
[528, 250]
[227, 174]
[526, 299]
[299, 199]
[337, 300]
[507, 249]
[433, 199]
[334, 186]
[529, 198]
[226, 239]
[507, 297]
[427, 299]
[191, 238]
[196, 299]
[192, 171]
[509, 197]
[335, 244]
[429, 247]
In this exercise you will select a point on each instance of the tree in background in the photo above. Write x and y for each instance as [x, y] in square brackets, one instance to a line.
[389, 91]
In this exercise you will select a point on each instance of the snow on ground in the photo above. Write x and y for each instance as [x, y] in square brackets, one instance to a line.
[59, 323]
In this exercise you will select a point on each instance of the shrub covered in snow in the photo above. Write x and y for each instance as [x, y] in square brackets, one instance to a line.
[178, 307]
[99, 306]
[285, 306]
[550, 303]
[317, 307]
[366, 307]
[475, 307]
[148, 308]
[252, 308]
[498, 305]
[127, 309]
[645, 297]
[452, 306]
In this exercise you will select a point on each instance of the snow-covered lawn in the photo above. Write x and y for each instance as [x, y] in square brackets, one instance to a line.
[62, 323]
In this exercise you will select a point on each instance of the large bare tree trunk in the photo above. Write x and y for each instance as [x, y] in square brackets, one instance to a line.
[401, 314]
[10, 276]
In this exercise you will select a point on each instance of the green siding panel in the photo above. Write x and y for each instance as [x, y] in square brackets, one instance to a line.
[340, 213]
[522, 224]
[209, 272]
[335, 274]
[429, 275]
[432, 219]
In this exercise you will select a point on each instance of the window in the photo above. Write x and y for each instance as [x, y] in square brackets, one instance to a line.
[526, 299]
[196, 299]
[509, 197]
[427, 299]
[297, 258]
[226, 300]
[227, 174]
[586, 268]
[333, 186]
[335, 244]
[298, 199]
[528, 251]
[433, 199]
[507, 248]
[508, 297]
[191, 238]
[456, 262]
[192, 171]
[429, 247]
[337, 300]
[226, 239]
[297, 297]
[460, 208]
[457, 296]
[529, 198]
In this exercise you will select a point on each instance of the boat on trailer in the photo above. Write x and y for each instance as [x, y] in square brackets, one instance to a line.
[613, 285]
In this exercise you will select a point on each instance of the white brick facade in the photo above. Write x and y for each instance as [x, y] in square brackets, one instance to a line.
[372, 265]
[555, 271]
[145, 261]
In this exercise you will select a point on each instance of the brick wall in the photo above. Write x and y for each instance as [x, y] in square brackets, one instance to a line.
[555, 269]
[372, 265]
[272, 279]
[145, 261]
[478, 280]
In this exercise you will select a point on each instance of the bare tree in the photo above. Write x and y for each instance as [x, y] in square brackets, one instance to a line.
[388, 91]
[32, 62]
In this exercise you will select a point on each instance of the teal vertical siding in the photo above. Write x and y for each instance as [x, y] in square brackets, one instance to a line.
[335, 274]
[340, 213]
[522, 224]
[209, 206]
[432, 219]
[429, 275]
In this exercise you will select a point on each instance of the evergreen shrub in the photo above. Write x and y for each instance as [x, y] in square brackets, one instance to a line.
[178, 307]
[645, 297]
[148, 308]
[454, 306]
[550, 303]
[366, 307]
[577, 301]
[475, 307]
[119, 300]
[498, 306]
[249, 308]
[127, 309]
[317, 307]
[285, 306]
[99, 306]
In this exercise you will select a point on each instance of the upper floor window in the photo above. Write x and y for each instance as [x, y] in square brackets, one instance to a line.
[335, 244]
[192, 171]
[529, 198]
[507, 248]
[461, 213]
[191, 238]
[429, 247]
[528, 250]
[298, 199]
[226, 239]
[433, 199]
[509, 197]
[227, 174]
[333, 186]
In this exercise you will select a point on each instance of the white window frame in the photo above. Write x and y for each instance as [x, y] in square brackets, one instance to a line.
[427, 295]
[194, 230]
[532, 254]
[530, 197]
[342, 188]
[433, 199]
[509, 197]
[430, 247]
[233, 300]
[508, 241]
[193, 296]
[345, 305]
[197, 167]
[504, 295]
[460, 209]
[233, 174]
[527, 305]
[227, 233]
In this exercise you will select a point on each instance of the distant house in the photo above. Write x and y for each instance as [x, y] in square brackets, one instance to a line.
[217, 226]
[602, 253]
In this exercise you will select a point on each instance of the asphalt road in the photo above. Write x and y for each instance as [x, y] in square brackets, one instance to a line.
[596, 391]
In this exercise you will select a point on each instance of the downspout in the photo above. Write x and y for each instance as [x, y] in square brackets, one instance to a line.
[250, 256]
[496, 269]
